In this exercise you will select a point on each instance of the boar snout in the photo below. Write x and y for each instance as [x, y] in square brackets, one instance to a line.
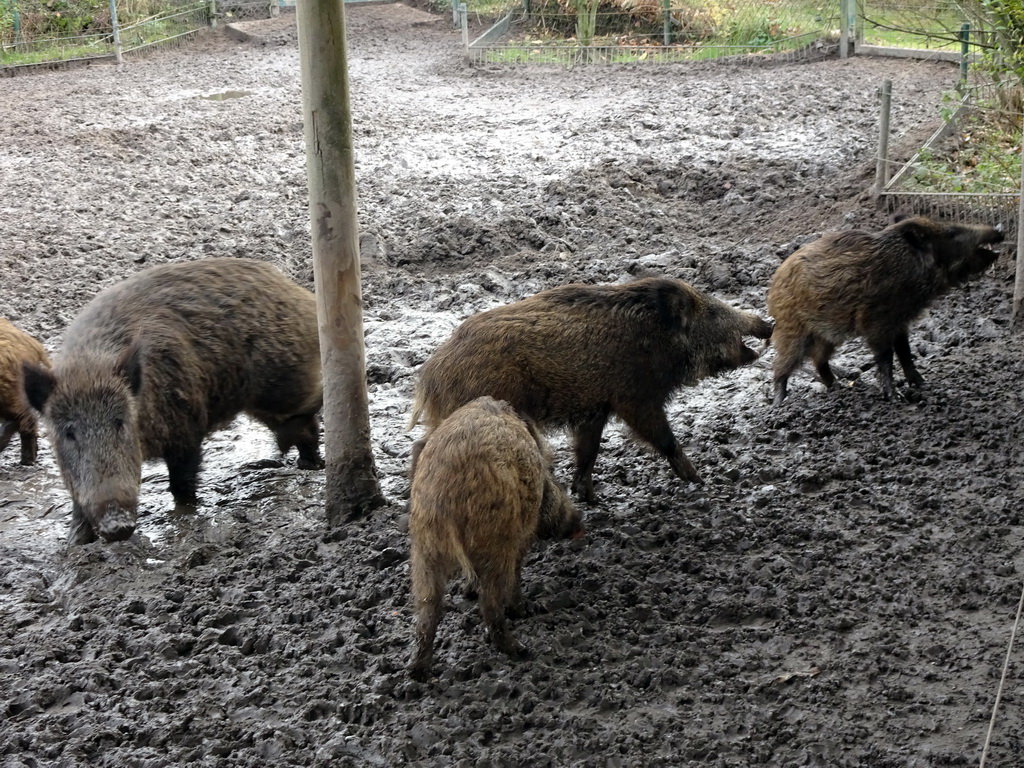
[747, 355]
[115, 521]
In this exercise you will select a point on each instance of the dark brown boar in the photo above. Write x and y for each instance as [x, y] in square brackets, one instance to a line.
[575, 356]
[157, 362]
[860, 284]
[17, 348]
[481, 494]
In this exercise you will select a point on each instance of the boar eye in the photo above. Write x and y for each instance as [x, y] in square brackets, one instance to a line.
[69, 434]
[118, 425]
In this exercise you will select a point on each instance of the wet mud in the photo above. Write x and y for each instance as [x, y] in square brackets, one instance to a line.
[840, 592]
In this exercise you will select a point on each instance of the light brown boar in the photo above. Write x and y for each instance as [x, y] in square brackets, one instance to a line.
[576, 355]
[155, 363]
[869, 285]
[482, 492]
[17, 348]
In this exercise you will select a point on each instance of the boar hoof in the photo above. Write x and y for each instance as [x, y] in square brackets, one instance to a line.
[81, 533]
[584, 491]
[517, 610]
[518, 652]
[913, 396]
[317, 463]
[419, 672]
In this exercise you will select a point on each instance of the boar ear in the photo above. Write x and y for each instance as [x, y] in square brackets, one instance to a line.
[129, 365]
[37, 383]
[674, 306]
[900, 216]
[918, 238]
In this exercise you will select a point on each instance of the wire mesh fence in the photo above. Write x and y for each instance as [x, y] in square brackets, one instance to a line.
[934, 25]
[970, 169]
[47, 32]
[569, 32]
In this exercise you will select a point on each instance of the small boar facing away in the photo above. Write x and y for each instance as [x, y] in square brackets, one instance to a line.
[859, 284]
[482, 492]
[576, 355]
[17, 348]
[157, 362]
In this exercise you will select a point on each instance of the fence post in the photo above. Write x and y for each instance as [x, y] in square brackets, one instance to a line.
[213, 13]
[275, 8]
[858, 24]
[117, 32]
[1017, 319]
[882, 161]
[844, 28]
[667, 5]
[965, 39]
[464, 23]
[455, 13]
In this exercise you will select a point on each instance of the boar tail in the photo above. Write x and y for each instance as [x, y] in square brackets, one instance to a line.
[417, 410]
[464, 562]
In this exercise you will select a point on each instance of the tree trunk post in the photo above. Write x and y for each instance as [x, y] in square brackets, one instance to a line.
[351, 489]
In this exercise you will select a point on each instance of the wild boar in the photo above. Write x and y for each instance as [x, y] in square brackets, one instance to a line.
[481, 494]
[868, 285]
[17, 348]
[157, 362]
[576, 355]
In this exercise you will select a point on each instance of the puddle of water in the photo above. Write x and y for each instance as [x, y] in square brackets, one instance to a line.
[225, 95]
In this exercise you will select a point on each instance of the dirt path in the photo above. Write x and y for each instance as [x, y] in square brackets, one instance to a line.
[839, 593]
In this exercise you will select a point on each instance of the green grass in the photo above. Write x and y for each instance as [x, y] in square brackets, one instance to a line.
[11, 57]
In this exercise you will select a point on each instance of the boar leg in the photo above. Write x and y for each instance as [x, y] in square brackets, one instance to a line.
[183, 469]
[81, 531]
[29, 448]
[901, 344]
[821, 353]
[651, 424]
[303, 432]
[496, 594]
[790, 351]
[516, 608]
[588, 443]
[427, 589]
[883, 360]
[9, 428]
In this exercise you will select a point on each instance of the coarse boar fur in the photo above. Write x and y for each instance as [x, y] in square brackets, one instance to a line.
[481, 494]
[17, 348]
[869, 285]
[576, 355]
[157, 362]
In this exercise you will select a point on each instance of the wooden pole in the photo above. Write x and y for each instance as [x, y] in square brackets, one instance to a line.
[965, 53]
[882, 161]
[351, 489]
[844, 28]
[117, 32]
[1017, 321]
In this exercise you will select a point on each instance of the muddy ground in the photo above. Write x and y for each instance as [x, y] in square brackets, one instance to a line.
[839, 593]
